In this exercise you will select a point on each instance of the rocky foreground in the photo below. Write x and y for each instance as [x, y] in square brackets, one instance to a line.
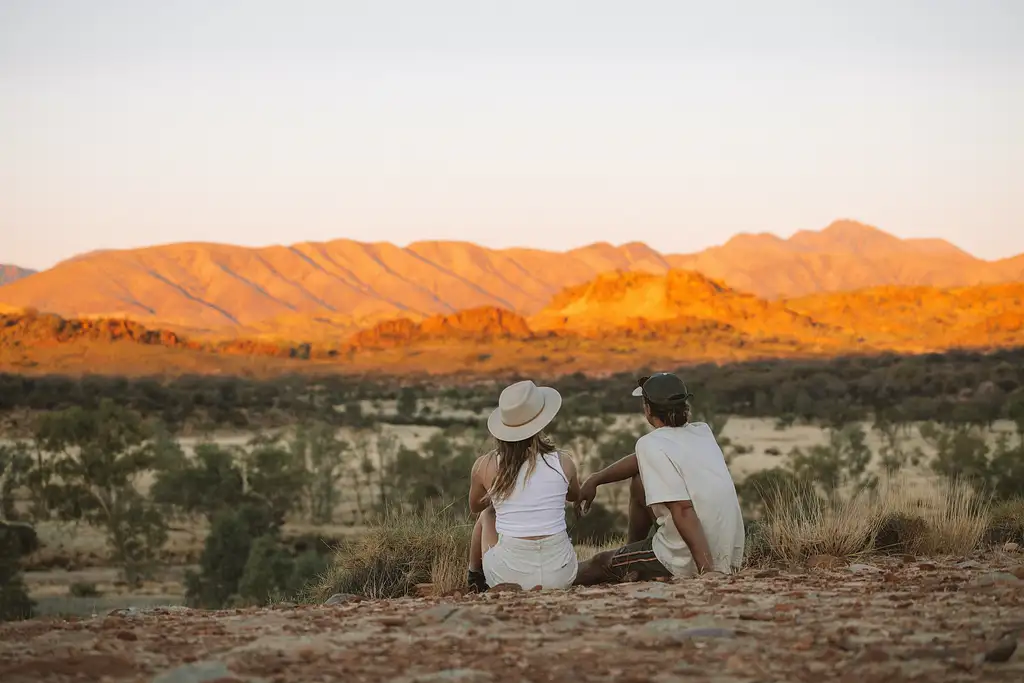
[899, 620]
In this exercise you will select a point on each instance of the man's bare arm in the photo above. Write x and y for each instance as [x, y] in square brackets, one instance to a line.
[624, 469]
[692, 531]
[620, 470]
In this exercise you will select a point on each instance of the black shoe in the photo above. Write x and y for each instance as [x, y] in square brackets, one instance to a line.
[477, 582]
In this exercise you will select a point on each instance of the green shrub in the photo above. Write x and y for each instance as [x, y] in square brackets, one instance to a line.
[225, 555]
[83, 589]
[267, 573]
[16, 540]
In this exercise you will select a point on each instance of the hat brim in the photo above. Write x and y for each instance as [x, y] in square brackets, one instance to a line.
[500, 430]
[638, 392]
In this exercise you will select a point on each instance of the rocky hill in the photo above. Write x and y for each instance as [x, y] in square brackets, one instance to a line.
[617, 322]
[328, 290]
[10, 273]
[918, 619]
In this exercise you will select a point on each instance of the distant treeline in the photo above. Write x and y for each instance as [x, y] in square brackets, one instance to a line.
[951, 387]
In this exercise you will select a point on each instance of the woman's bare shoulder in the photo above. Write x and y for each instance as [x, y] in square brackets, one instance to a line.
[486, 462]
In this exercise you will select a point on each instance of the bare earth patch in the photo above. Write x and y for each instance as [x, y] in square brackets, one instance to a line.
[892, 620]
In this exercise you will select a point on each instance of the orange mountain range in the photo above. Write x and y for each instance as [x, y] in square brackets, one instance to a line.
[324, 292]
[618, 321]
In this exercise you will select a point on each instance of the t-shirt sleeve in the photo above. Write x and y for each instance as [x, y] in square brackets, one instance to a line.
[662, 482]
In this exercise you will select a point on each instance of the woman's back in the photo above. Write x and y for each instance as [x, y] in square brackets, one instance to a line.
[536, 506]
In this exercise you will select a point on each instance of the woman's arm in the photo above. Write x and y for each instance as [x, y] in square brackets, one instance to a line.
[479, 500]
[569, 468]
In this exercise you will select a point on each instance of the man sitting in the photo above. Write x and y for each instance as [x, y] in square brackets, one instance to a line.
[678, 480]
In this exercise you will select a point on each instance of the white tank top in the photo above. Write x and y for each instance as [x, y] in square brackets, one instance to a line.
[536, 507]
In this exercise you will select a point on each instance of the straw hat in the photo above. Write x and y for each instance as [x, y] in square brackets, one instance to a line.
[524, 409]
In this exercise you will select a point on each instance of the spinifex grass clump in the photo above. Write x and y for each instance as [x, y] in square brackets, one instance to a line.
[799, 522]
[1007, 522]
[928, 516]
[940, 516]
[399, 551]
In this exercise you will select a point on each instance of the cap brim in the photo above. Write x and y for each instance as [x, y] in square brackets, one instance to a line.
[638, 392]
[499, 430]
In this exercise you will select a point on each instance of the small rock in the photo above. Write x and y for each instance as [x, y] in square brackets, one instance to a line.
[1003, 650]
[448, 676]
[653, 591]
[127, 635]
[1011, 547]
[967, 564]
[341, 599]
[506, 588]
[873, 655]
[435, 615]
[1018, 572]
[863, 568]
[824, 562]
[285, 605]
[663, 632]
[199, 672]
[994, 579]
[572, 622]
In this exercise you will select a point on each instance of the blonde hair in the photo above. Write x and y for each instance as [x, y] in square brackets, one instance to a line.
[512, 455]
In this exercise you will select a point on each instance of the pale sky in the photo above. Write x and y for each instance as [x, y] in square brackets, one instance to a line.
[549, 124]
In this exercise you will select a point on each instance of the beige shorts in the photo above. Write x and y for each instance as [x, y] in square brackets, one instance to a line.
[547, 562]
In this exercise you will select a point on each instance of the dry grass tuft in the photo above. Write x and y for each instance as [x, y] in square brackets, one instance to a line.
[798, 523]
[931, 516]
[402, 550]
[1007, 522]
[952, 517]
[398, 552]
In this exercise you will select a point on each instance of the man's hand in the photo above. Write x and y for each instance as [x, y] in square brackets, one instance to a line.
[588, 491]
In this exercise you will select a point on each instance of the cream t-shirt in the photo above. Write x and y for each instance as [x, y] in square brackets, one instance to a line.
[686, 463]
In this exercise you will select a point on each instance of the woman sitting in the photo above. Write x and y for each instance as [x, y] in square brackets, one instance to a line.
[520, 490]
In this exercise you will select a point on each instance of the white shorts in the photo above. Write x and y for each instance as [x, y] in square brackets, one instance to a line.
[546, 562]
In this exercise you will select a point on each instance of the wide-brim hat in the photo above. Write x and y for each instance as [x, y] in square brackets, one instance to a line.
[524, 409]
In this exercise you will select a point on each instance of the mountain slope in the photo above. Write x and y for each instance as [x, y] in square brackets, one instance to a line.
[617, 322]
[844, 256]
[10, 273]
[327, 290]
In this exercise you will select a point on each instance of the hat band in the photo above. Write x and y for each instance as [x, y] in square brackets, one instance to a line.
[527, 420]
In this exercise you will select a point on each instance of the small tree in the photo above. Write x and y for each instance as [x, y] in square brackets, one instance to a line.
[843, 461]
[15, 466]
[893, 454]
[96, 457]
[203, 485]
[438, 473]
[323, 456]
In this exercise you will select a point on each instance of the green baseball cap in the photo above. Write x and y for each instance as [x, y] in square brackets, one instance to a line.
[662, 389]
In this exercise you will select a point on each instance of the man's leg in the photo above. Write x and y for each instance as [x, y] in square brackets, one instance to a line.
[485, 535]
[640, 517]
[599, 568]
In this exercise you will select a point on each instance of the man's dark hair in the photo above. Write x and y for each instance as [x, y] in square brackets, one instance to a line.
[675, 415]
